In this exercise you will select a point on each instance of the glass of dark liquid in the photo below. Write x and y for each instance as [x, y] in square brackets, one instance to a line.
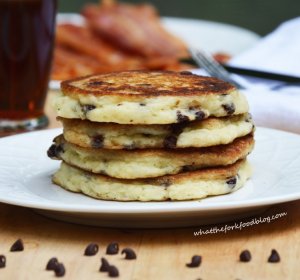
[27, 30]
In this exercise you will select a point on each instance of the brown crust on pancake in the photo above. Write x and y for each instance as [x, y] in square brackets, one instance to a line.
[210, 173]
[139, 83]
[237, 149]
[71, 123]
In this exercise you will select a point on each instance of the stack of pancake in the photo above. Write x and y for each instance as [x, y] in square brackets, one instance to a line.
[152, 136]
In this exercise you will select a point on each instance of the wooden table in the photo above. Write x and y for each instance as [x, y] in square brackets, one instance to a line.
[161, 254]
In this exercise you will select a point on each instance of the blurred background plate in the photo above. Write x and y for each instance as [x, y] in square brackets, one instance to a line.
[210, 36]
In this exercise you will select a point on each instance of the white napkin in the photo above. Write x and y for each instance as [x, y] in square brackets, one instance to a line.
[278, 52]
[275, 104]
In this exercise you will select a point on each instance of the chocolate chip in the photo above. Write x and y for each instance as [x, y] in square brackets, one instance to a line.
[104, 265]
[2, 261]
[146, 135]
[112, 248]
[187, 168]
[17, 246]
[200, 115]
[196, 261]
[113, 271]
[52, 264]
[91, 249]
[55, 150]
[97, 141]
[245, 256]
[129, 147]
[51, 153]
[182, 118]
[95, 83]
[166, 182]
[177, 128]
[185, 73]
[129, 254]
[87, 108]
[274, 257]
[170, 142]
[144, 85]
[60, 270]
[229, 108]
[142, 104]
[231, 182]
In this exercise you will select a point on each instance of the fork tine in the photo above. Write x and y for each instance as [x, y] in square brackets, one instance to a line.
[212, 67]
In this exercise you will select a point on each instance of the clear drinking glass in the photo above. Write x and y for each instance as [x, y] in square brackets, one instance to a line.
[27, 30]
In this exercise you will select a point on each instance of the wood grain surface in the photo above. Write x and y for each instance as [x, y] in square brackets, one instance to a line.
[161, 254]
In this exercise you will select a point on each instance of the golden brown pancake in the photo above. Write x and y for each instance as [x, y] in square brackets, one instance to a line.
[148, 97]
[184, 186]
[146, 163]
[205, 133]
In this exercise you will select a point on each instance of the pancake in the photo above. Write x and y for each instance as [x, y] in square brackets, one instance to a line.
[150, 162]
[208, 132]
[184, 186]
[148, 97]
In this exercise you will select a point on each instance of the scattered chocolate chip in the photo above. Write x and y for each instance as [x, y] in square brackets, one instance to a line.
[91, 249]
[142, 104]
[229, 108]
[200, 115]
[113, 271]
[17, 246]
[231, 182]
[245, 256]
[170, 142]
[52, 264]
[104, 265]
[182, 118]
[274, 257]
[196, 261]
[55, 150]
[97, 141]
[87, 108]
[186, 73]
[2, 261]
[129, 254]
[120, 104]
[112, 248]
[60, 270]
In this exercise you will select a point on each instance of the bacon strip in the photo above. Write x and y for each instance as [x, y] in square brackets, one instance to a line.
[116, 37]
[135, 28]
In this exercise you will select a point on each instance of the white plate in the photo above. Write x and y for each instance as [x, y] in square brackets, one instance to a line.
[207, 35]
[25, 180]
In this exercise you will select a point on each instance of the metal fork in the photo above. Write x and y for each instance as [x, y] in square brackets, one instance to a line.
[213, 68]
